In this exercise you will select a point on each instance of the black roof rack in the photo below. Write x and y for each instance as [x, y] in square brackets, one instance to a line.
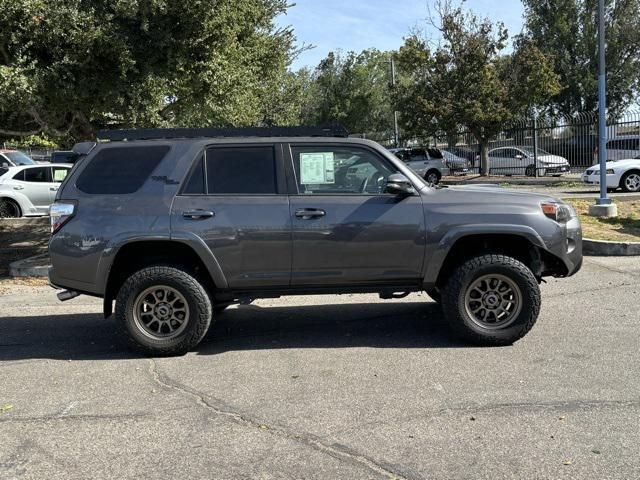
[166, 133]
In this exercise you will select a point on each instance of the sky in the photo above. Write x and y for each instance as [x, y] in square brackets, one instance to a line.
[358, 24]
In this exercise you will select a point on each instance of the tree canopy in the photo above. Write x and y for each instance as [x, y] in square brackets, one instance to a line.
[466, 81]
[566, 31]
[71, 67]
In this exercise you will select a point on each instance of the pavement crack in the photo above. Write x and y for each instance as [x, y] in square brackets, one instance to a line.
[334, 450]
[66, 417]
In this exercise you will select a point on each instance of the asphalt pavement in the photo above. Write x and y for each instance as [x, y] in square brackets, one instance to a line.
[327, 387]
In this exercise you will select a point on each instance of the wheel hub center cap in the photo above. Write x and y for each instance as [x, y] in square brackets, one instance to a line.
[163, 311]
[491, 300]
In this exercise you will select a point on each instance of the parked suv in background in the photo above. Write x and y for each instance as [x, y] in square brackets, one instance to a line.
[176, 225]
[429, 162]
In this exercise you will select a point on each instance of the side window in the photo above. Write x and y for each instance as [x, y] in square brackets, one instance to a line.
[120, 170]
[19, 176]
[59, 174]
[339, 170]
[195, 183]
[497, 153]
[241, 170]
[37, 175]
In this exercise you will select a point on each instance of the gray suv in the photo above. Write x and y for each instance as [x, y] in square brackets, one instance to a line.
[176, 225]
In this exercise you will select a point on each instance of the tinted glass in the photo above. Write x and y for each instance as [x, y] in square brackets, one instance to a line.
[120, 170]
[241, 170]
[195, 182]
[37, 175]
[339, 170]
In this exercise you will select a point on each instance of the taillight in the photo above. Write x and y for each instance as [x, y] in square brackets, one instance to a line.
[60, 213]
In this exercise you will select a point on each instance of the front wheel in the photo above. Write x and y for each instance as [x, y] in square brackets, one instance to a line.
[630, 182]
[163, 311]
[491, 300]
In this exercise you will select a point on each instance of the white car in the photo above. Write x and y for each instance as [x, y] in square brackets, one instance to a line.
[14, 158]
[430, 163]
[28, 190]
[521, 161]
[624, 174]
[623, 147]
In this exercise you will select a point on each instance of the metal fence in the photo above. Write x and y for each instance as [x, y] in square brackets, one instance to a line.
[565, 144]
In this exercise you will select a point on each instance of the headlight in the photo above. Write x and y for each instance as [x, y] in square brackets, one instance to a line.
[560, 212]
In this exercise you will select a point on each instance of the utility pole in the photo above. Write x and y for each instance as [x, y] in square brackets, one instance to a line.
[604, 207]
[396, 134]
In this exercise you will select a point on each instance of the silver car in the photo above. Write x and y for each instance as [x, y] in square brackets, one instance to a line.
[521, 161]
[28, 190]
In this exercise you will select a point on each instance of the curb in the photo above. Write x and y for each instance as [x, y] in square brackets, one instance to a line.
[17, 222]
[37, 266]
[603, 248]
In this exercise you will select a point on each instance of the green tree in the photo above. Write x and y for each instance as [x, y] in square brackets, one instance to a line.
[466, 81]
[71, 67]
[352, 89]
[566, 31]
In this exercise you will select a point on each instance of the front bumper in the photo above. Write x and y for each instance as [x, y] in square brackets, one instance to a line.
[613, 180]
[555, 170]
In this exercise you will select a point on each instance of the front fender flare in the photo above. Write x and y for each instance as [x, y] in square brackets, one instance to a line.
[439, 254]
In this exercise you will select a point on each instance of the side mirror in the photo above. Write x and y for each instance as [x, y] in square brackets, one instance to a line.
[398, 184]
[518, 157]
[5, 165]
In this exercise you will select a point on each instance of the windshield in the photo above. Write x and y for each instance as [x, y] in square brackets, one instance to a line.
[529, 151]
[19, 158]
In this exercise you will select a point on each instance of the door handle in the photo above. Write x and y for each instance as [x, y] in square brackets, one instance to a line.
[18, 187]
[308, 213]
[197, 214]
[54, 189]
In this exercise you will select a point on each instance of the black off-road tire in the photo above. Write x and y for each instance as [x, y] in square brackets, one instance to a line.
[198, 322]
[462, 277]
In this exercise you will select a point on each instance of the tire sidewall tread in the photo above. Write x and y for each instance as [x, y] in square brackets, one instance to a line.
[200, 316]
[453, 299]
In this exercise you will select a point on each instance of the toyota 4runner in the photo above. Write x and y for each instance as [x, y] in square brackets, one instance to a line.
[175, 225]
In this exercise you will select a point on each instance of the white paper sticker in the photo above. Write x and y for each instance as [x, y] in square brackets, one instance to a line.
[317, 168]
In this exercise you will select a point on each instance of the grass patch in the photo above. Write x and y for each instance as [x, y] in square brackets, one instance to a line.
[624, 228]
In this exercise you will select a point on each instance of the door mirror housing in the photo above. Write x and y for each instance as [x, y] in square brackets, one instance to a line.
[398, 184]
[518, 157]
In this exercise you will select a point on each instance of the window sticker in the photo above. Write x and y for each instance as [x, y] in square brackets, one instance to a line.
[59, 175]
[317, 168]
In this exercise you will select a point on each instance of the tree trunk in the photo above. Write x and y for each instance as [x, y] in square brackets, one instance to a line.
[484, 158]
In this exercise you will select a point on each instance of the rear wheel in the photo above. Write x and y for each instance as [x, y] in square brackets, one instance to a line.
[491, 300]
[163, 311]
[9, 208]
[432, 177]
[630, 182]
[530, 171]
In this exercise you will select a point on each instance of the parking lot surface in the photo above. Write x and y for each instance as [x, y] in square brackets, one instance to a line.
[327, 387]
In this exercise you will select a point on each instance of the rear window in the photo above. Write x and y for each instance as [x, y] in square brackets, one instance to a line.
[120, 170]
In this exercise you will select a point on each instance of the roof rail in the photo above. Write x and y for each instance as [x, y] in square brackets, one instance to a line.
[166, 133]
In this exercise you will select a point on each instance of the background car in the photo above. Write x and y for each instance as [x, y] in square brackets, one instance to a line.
[521, 161]
[456, 164]
[623, 147]
[428, 162]
[624, 174]
[28, 190]
[14, 158]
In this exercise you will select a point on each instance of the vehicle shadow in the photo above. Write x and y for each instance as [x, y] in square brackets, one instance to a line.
[90, 337]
